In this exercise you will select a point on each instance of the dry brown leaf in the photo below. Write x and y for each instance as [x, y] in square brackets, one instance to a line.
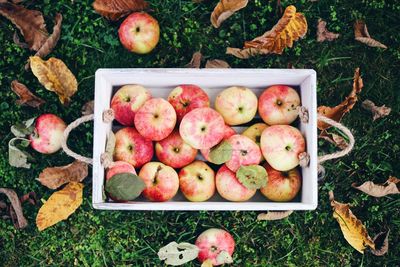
[30, 23]
[26, 96]
[377, 112]
[195, 62]
[291, 27]
[224, 9]
[352, 228]
[18, 42]
[274, 215]
[337, 113]
[20, 221]
[88, 108]
[55, 76]
[323, 34]
[361, 34]
[335, 139]
[55, 177]
[217, 64]
[379, 190]
[116, 9]
[381, 241]
[60, 205]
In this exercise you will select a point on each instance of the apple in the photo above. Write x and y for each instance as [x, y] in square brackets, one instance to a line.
[48, 133]
[139, 33]
[281, 146]
[156, 119]
[229, 187]
[161, 181]
[278, 104]
[202, 128]
[196, 181]
[175, 152]
[237, 105]
[187, 97]
[212, 242]
[244, 152]
[254, 132]
[117, 168]
[281, 186]
[228, 132]
[126, 101]
[131, 147]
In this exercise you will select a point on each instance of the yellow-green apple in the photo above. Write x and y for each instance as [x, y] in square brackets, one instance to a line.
[278, 105]
[202, 128]
[254, 133]
[244, 152]
[228, 132]
[127, 100]
[47, 134]
[187, 97]
[237, 105]
[117, 168]
[175, 152]
[212, 242]
[196, 181]
[162, 181]
[281, 146]
[139, 33]
[281, 186]
[156, 119]
[229, 187]
[131, 147]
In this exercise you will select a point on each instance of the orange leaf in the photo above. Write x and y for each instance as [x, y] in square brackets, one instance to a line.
[361, 34]
[224, 9]
[116, 9]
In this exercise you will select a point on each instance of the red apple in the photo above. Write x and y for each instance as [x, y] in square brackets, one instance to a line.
[48, 133]
[131, 147]
[196, 181]
[281, 186]
[117, 168]
[278, 104]
[229, 187]
[212, 242]
[202, 128]
[281, 146]
[126, 101]
[161, 181]
[175, 152]
[139, 33]
[244, 152]
[187, 97]
[156, 119]
[228, 132]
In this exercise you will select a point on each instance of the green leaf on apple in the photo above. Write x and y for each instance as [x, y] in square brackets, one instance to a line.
[252, 176]
[177, 254]
[221, 153]
[22, 129]
[16, 156]
[125, 186]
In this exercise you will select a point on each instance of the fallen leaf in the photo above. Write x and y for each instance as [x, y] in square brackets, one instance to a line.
[17, 157]
[335, 139]
[60, 205]
[23, 129]
[217, 64]
[323, 34]
[30, 23]
[88, 108]
[291, 27]
[224, 9]
[207, 263]
[29, 197]
[116, 9]
[337, 113]
[274, 215]
[55, 177]
[195, 61]
[21, 222]
[177, 254]
[55, 76]
[352, 228]
[224, 258]
[379, 190]
[18, 42]
[26, 96]
[361, 34]
[377, 112]
[381, 241]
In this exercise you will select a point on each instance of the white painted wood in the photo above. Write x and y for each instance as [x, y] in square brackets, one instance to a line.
[161, 81]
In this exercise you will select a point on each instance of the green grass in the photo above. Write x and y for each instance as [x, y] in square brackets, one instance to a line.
[98, 238]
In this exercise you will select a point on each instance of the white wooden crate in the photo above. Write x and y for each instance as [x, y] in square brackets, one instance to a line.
[161, 81]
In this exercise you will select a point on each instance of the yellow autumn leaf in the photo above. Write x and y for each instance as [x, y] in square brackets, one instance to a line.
[352, 228]
[60, 205]
[207, 263]
[55, 76]
[224, 9]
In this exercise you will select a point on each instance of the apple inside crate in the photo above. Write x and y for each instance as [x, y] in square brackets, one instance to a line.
[160, 82]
